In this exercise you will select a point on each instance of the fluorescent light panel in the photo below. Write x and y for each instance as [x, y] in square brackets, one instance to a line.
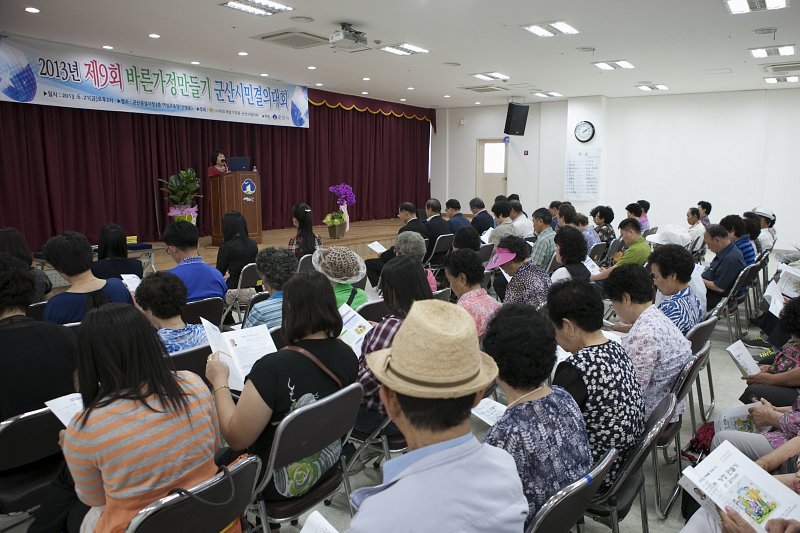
[548, 94]
[551, 29]
[782, 79]
[405, 49]
[653, 87]
[259, 8]
[614, 65]
[770, 51]
[738, 7]
[491, 76]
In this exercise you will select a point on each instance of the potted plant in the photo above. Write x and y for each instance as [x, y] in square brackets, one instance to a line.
[182, 195]
[337, 225]
[338, 221]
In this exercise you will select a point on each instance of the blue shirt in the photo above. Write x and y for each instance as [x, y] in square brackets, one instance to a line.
[683, 309]
[457, 222]
[69, 307]
[393, 467]
[745, 245]
[269, 312]
[186, 338]
[201, 280]
[723, 271]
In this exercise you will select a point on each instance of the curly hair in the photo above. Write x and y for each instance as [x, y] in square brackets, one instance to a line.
[512, 243]
[571, 245]
[633, 280]
[163, 294]
[734, 224]
[276, 266]
[790, 317]
[410, 243]
[604, 212]
[467, 238]
[673, 259]
[522, 342]
[69, 252]
[634, 209]
[577, 301]
[465, 262]
[17, 284]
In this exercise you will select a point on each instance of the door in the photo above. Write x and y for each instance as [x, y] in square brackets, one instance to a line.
[490, 175]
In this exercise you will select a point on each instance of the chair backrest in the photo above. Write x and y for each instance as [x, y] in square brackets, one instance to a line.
[209, 308]
[564, 508]
[700, 334]
[737, 290]
[551, 265]
[443, 294]
[361, 284]
[28, 438]
[374, 311]
[36, 311]
[650, 231]
[193, 360]
[208, 506]
[308, 429]
[73, 326]
[597, 251]
[277, 337]
[443, 244]
[613, 248]
[695, 244]
[249, 277]
[487, 277]
[485, 252]
[258, 297]
[305, 265]
[690, 372]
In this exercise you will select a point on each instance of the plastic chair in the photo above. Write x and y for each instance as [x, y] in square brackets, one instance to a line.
[259, 297]
[36, 311]
[443, 294]
[613, 248]
[361, 284]
[209, 308]
[248, 279]
[208, 507]
[193, 360]
[305, 265]
[443, 244]
[277, 337]
[389, 444]
[597, 251]
[553, 264]
[373, 311]
[485, 252]
[699, 335]
[565, 508]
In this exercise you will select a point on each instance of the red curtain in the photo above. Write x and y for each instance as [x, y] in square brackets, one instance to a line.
[77, 169]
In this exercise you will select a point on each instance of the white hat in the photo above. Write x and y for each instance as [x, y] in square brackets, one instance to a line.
[670, 234]
[764, 212]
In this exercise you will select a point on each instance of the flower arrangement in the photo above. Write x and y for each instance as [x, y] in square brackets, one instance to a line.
[344, 197]
[344, 194]
[182, 194]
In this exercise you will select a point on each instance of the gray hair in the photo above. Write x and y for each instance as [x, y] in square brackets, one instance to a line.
[276, 266]
[412, 244]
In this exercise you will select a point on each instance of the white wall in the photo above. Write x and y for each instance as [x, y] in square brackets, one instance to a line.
[734, 149]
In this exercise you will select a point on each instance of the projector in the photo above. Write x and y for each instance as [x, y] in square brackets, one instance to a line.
[348, 38]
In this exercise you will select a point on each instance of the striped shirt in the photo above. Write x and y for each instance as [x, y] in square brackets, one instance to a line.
[745, 246]
[683, 308]
[188, 337]
[269, 312]
[127, 455]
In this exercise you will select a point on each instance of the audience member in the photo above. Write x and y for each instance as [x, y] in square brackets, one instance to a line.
[432, 375]
[71, 255]
[739, 237]
[481, 219]
[13, 243]
[529, 283]
[407, 213]
[545, 246]
[603, 216]
[553, 207]
[779, 426]
[657, 348]
[767, 220]
[571, 253]
[567, 215]
[637, 252]
[636, 212]
[705, 210]
[464, 271]
[645, 205]
[589, 234]
[467, 239]
[437, 226]
[455, 220]
[343, 267]
[672, 267]
[515, 197]
[522, 225]
[218, 164]
[288, 379]
[505, 226]
[599, 374]
[161, 297]
[696, 228]
[412, 244]
[112, 255]
[752, 225]
[402, 283]
[543, 427]
[276, 266]
[720, 276]
[305, 241]
[201, 279]
[677, 235]
[236, 252]
[38, 357]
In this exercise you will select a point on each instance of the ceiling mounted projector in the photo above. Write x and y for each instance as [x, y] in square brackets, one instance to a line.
[347, 38]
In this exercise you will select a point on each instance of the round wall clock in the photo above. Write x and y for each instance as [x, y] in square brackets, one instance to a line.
[584, 131]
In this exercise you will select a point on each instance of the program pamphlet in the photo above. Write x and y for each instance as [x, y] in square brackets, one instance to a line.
[742, 358]
[354, 328]
[239, 349]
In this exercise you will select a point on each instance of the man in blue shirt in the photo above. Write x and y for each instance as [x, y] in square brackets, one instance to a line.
[720, 276]
[455, 219]
[201, 279]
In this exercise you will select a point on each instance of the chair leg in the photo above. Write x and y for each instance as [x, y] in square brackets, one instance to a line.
[580, 525]
[346, 483]
[643, 507]
[386, 453]
[657, 482]
[262, 514]
[614, 519]
[710, 392]
[691, 411]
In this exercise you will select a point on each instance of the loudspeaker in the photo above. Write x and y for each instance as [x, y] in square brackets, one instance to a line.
[516, 118]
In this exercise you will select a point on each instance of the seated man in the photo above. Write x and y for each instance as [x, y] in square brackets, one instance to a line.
[720, 276]
[481, 219]
[696, 228]
[437, 226]
[276, 266]
[522, 224]
[554, 205]
[407, 213]
[455, 219]
[467, 239]
[638, 250]
[431, 377]
[201, 279]
[739, 237]
[545, 246]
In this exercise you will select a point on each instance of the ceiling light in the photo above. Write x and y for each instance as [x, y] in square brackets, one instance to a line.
[154, 36]
[491, 76]
[318, 84]
[107, 47]
[247, 8]
[402, 99]
[413, 48]
[274, 6]
[404, 49]
[499, 76]
[261, 8]
[264, 75]
[446, 96]
[551, 29]
[758, 53]
[364, 92]
[647, 87]
[395, 51]
[783, 79]
[603, 66]
[365, 79]
[194, 62]
[737, 7]
[777, 4]
[242, 53]
[542, 95]
[565, 28]
[31, 10]
[614, 65]
[644, 88]
[554, 94]
[771, 80]
[410, 88]
[662, 87]
[770, 51]
[477, 103]
[625, 64]
[786, 50]
[311, 67]
[792, 79]
[539, 30]
[482, 77]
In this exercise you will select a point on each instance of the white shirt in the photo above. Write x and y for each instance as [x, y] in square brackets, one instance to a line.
[698, 230]
[767, 238]
[523, 226]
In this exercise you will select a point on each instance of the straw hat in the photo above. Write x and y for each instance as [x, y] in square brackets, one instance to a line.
[435, 354]
[339, 264]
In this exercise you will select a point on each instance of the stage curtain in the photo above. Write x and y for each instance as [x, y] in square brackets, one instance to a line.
[77, 169]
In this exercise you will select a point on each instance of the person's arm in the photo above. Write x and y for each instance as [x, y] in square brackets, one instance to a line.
[85, 472]
[570, 380]
[223, 259]
[774, 459]
[603, 274]
[790, 378]
[710, 285]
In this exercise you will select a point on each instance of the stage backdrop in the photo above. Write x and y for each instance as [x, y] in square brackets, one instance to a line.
[65, 168]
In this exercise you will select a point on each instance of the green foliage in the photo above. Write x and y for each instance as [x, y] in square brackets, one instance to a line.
[334, 218]
[182, 188]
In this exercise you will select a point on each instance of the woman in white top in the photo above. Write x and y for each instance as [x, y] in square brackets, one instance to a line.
[571, 253]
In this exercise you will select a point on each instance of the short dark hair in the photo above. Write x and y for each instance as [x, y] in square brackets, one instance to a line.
[182, 235]
[512, 197]
[543, 214]
[113, 242]
[309, 306]
[12, 242]
[434, 205]
[403, 282]
[630, 223]
[465, 262]
[717, 232]
[163, 294]
[517, 245]
[673, 259]
[790, 317]
[568, 213]
[436, 414]
[17, 285]
[500, 198]
[752, 227]
[577, 301]
[705, 205]
[477, 203]
[733, 223]
[521, 341]
[452, 203]
[69, 252]
[634, 280]
[276, 266]
[582, 219]
[571, 245]
[467, 238]
[214, 155]
[515, 205]
[604, 212]
[408, 207]
[694, 212]
[645, 205]
[634, 209]
[555, 204]
[501, 209]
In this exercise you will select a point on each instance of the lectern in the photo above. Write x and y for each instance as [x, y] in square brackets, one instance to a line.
[236, 191]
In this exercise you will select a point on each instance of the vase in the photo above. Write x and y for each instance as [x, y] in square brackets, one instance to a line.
[336, 231]
[192, 219]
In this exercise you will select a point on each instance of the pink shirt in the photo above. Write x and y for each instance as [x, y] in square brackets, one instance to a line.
[480, 306]
[431, 280]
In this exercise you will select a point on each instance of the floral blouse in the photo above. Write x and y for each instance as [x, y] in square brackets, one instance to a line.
[480, 306]
[529, 285]
[787, 359]
[606, 233]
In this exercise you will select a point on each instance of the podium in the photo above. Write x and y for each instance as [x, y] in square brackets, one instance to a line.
[236, 191]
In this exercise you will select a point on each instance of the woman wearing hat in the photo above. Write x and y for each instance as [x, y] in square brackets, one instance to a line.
[529, 283]
[343, 267]
[766, 218]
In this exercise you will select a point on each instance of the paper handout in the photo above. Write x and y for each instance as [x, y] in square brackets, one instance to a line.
[66, 407]
[489, 411]
[737, 419]
[376, 247]
[354, 328]
[131, 281]
[789, 282]
[591, 266]
[239, 349]
[742, 358]
[316, 523]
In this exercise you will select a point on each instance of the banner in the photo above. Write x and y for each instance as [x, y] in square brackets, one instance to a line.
[44, 73]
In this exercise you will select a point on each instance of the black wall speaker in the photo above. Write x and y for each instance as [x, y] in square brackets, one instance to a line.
[516, 117]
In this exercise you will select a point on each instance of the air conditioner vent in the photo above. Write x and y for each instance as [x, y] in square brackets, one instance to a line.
[782, 68]
[293, 38]
[485, 89]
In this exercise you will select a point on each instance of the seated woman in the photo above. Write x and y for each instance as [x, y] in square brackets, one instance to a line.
[288, 379]
[464, 272]
[785, 426]
[276, 266]
[236, 252]
[145, 429]
[657, 348]
[13, 243]
[529, 283]
[603, 216]
[412, 244]
[571, 252]
[161, 297]
[70, 254]
[305, 241]
[588, 233]
[402, 283]
[467, 239]
[542, 427]
[112, 255]
[343, 267]
[672, 266]
[599, 374]
[779, 381]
